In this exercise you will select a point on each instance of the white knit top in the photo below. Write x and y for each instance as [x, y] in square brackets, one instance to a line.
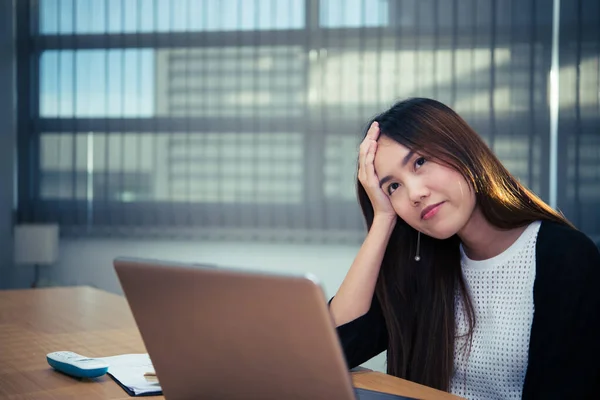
[501, 290]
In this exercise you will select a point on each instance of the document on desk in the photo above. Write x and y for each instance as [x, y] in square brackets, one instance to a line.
[128, 371]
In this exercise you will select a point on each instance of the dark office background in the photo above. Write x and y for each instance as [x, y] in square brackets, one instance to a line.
[240, 119]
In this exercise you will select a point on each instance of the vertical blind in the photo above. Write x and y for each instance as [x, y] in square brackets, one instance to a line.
[242, 118]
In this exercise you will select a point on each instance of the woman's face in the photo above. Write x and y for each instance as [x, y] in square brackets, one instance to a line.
[430, 197]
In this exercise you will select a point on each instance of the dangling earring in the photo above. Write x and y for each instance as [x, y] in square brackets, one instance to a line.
[417, 257]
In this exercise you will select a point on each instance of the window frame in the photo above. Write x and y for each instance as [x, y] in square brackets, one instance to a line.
[310, 216]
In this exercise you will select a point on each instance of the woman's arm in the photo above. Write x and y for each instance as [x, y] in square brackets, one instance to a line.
[364, 337]
[355, 310]
[354, 296]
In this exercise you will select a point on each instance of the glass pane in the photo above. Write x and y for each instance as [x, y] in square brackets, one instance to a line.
[250, 168]
[267, 81]
[208, 82]
[131, 16]
[341, 154]
[361, 82]
[97, 83]
[354, 13]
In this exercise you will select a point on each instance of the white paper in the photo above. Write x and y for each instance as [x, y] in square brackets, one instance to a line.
[129, 369]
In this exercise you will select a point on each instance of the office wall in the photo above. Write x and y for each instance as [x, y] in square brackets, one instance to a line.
[89, 261]
[7, 141]
[10, 276]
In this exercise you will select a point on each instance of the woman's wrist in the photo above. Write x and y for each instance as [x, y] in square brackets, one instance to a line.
[386, 220]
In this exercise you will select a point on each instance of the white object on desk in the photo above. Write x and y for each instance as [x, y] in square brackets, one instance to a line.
[36, 244]
[129, 370]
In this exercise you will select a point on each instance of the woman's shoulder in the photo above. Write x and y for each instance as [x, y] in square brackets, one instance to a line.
[559, 246]
[556, 236]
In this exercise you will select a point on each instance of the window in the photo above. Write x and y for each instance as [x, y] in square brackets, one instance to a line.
[245, 115]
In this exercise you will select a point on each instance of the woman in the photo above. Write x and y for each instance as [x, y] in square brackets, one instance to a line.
[469, 281]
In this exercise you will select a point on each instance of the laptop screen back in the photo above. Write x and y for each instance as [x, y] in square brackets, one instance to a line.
[224, 333]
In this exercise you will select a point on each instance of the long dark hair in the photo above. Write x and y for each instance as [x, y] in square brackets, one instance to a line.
[418, 298]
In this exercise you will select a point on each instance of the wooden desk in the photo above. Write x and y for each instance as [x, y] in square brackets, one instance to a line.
[95, 323]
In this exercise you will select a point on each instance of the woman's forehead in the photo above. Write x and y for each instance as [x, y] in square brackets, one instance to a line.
[390, 156]
[386, 144]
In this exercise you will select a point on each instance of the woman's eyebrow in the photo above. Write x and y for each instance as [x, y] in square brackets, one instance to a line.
[407, 158]
[384, 180]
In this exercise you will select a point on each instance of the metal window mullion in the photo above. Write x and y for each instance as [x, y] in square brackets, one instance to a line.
[241, 215]
[206, 217]
[316, 138]
[454, 48]
[532, 110]
[160, 40]
[200, 124]
[436, 34]
[171, 217]
[223, 218]
[156, 218]
[137, 179]
[343, 50]
[417, 86]
[287, 216]
[397, 49]
[272, 215]
[122, 219]
[75, 218]
[254, 219]
[33, 110]
[89, 177]
[578, 128]
[106, 200]
[378, 74]
[312, 43]
[554, 103]
[189, 147]
[61, 212]
[511, 82]
[492, 103]
[473, 50]
[24, 71]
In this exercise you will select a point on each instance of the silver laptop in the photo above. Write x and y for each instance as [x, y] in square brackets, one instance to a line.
[222, 333]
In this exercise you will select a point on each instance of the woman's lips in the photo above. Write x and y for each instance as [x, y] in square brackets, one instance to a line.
[430, 211]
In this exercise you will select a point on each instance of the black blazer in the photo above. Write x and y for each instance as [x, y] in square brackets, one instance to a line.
[564, 346]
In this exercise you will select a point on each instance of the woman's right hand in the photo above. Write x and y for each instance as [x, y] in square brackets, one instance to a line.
[382, 207]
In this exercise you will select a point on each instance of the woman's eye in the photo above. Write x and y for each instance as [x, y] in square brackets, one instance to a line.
[419, 162]
[392, 187]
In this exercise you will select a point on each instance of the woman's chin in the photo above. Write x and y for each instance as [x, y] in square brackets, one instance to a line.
[440, 233]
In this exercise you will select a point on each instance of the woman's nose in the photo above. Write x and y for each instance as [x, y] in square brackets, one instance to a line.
[417, 193]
